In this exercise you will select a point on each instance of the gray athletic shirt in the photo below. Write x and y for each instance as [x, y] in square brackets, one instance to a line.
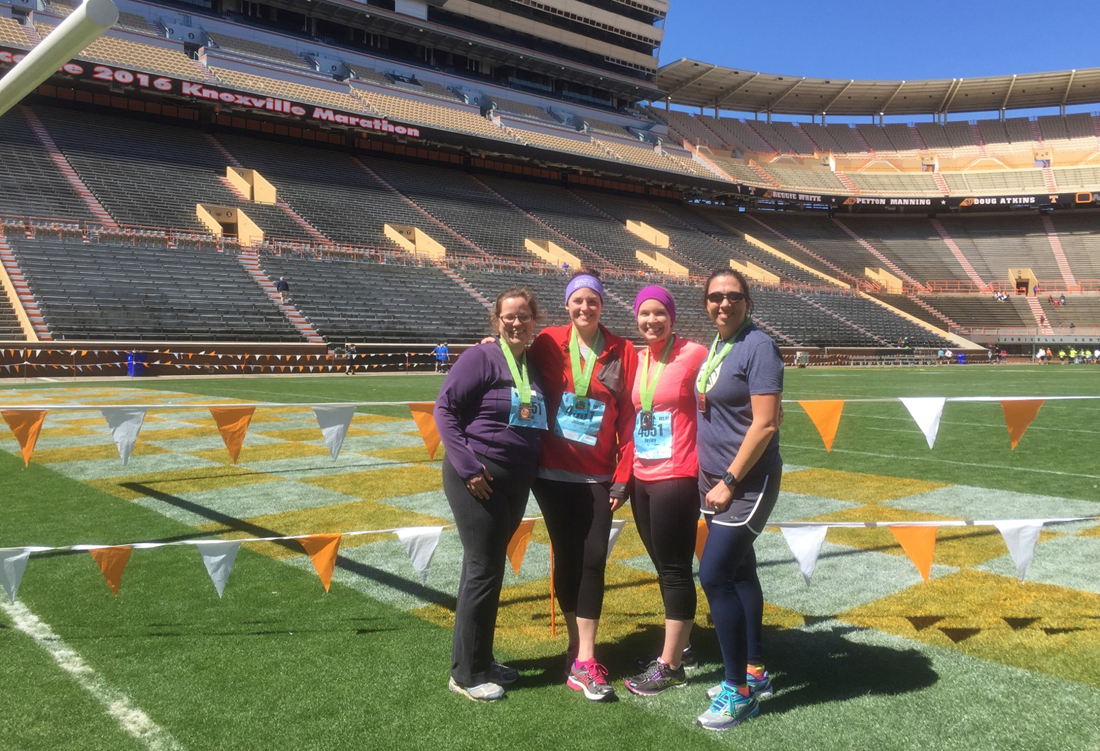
[752, 367]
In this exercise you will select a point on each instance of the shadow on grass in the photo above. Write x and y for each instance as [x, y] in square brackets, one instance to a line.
[232, 524]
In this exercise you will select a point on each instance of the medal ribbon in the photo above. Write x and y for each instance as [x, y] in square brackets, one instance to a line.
[648, 388]
[519, 373]
[581, 378]
[715, 358]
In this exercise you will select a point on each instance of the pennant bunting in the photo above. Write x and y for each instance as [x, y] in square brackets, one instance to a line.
[233, 425]
[334, 423]
[219, 557]
[805, 543]
[926, 412]
[1020, 537]
[918, 543]
[112, 561]
[13, 562]
[425, 421]
[125, 424]
[700, 538]
[613, 536]
[826, 418]
[517, 546]
[1018, 416]
[420, 545]
[25, 425]
[322, 550]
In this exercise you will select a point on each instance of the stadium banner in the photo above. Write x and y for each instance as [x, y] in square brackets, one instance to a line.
[209, 92]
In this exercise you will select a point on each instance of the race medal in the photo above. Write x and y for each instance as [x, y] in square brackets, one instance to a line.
[647, 387]
[714, 359]
[579, 426]
[525, 412]
[580, 406]
[702, 402]
[647, 420]
[527, 408]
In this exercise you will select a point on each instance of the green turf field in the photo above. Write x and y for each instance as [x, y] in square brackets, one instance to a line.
[869, 656]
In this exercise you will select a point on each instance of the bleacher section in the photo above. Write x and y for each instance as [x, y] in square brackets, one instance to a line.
[355, 301]
[12, 33]
[984, 311]
[258, 50]
[10, 330]
[331, 94]
[30, 183]
[111, 291]
[164, 58]
[407, 110]
[1080, 239]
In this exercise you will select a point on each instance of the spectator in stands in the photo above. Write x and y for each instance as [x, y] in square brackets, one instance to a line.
[739, 391]
[491, 418]
[585, 465]
[283, 288]
[1062, 300]
[665, 500]
[1050, 299]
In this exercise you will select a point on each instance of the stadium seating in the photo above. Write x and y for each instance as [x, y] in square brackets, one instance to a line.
[147, 292]
[408, 110]
[328, 93]
[984, 310]
[163, 57]
[254, 49]
[11, 32]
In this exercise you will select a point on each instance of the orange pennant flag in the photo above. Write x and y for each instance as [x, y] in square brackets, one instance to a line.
[232, 424]
[700, 538]
[322, 550]
[111, 562]
[26, 425]
[1018, 416]
[517, 546]
[425, 420]
[826, 418]
[919, 544]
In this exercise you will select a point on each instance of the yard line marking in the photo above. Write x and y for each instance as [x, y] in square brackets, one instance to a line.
[118, 705]
[945, 461]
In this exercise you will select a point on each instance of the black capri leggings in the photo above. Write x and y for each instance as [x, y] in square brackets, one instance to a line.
[578, 518]
[485, 528]
[667, 515]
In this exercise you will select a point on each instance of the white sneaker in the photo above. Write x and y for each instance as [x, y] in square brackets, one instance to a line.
[481, 692]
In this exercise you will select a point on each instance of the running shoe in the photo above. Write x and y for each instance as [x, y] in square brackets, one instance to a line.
[503, 674]
[656, 678]
[762, 688]
[729, 709]
[687, 660]
[591, 678]
[480, 692]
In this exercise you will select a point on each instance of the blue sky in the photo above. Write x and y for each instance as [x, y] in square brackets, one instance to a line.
[887, 39]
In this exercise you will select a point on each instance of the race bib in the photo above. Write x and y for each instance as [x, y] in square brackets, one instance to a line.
[531, 415]
[579, 419]
[653, 435]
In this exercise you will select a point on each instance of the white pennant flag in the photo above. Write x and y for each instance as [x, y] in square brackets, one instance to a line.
[13, 562]
[805, 543]
[616, 529]
[125, 424]
[334, 423]
[219, 557]
[420, 545]
[1020, 537]
[926, 411]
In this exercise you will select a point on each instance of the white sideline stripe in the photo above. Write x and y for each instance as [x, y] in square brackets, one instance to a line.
[118, 705]
[934, 460]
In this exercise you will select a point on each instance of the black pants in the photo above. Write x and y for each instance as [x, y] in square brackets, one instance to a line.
[485, 528]
[667, 515]
[578, 518]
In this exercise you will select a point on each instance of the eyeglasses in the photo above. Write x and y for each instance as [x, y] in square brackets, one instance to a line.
[512, 319]
[718, 297]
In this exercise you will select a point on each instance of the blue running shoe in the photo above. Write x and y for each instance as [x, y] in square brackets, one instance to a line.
[762, 688]
[729, 709]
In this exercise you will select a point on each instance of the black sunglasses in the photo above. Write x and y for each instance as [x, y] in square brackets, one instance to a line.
[718, 297]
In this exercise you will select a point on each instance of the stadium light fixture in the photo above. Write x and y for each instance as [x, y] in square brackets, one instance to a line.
[83, 26]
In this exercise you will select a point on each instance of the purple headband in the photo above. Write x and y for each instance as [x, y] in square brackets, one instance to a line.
[583, 281]
[661, 295]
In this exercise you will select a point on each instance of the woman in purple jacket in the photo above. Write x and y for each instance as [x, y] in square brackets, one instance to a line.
[491, 419]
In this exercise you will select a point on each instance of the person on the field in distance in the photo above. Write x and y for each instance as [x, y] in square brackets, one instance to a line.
[491, 418]
[739, 391]
[665, 500]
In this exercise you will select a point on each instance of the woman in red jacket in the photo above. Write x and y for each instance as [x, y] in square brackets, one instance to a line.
[587, 373]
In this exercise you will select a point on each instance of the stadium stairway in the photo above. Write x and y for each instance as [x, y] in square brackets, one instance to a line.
[1059, 253]
[23, 291]
[962, 259]
[465, 285]
[877, 254]
[251, 263]
[950, 322]
[66, 169]
[847, 182]
[1040, 316]
[843, 319]
[839, 272]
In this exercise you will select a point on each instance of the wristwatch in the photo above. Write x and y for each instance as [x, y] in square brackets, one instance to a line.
[729, 479]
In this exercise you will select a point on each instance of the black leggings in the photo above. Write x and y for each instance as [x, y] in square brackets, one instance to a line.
[578, 518]
[485, 528]
[667, 515]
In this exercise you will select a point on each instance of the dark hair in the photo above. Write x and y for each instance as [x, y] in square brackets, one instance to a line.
[523, 292]
[584, 271]
[736, 275]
